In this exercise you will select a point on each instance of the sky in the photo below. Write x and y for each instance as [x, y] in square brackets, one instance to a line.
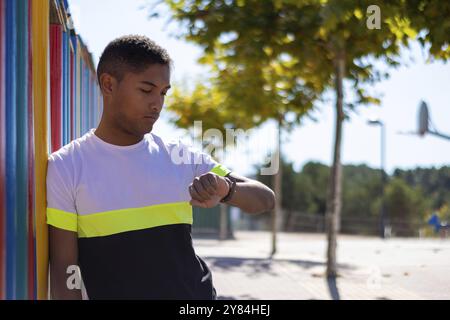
[100, 21]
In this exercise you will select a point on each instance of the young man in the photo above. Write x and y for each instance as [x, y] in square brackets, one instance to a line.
[119, 198]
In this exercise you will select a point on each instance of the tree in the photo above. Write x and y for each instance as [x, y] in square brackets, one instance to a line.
[411, 196]
[331, 40]
[406, 205]
[343, 48]
[429, 19]
[435, 183]
[323, 44]
[361, 189]
[252, 81]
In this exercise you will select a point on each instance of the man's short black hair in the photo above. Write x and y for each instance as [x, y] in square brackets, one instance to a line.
[131, 53]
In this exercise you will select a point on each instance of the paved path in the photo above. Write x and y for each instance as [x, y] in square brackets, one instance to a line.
[370, 268]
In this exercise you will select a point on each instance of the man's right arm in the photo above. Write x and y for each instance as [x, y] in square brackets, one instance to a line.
[63, 255]
[62, 220]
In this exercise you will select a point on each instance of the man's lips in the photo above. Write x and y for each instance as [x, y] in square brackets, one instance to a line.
[154, 117]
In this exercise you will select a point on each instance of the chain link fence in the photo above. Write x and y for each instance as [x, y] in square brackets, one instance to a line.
[312, 223]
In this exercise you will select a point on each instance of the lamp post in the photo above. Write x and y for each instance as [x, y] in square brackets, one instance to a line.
[383, 174]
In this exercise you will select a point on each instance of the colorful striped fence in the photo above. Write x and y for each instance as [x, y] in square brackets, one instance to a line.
[48, 97]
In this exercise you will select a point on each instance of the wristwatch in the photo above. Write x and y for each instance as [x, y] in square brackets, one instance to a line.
[231, 190]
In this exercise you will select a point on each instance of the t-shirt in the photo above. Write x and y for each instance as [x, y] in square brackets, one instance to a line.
[130, 208]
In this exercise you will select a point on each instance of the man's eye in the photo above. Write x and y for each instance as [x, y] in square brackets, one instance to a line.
[146, 91]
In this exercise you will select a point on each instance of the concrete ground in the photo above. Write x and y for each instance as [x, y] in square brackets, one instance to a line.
[369, 268]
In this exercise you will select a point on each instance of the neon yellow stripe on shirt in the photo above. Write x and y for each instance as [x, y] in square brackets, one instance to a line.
[131, 219]
[62, 219]
[220, 170]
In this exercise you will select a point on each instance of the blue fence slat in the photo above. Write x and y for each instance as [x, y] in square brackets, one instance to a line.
[11, 148]
[22, 150]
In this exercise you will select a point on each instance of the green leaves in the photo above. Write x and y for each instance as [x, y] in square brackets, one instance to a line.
[276, 56]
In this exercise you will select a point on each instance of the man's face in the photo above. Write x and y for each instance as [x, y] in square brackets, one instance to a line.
[139, 98]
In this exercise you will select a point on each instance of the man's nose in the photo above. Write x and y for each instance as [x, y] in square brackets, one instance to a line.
[155, 108]
[156, 105]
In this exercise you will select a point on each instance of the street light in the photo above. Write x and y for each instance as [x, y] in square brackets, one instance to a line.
[383, 174]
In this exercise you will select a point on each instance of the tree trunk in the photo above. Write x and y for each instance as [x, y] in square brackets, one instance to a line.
[276, 213]
[335, 183]
[288, 220]
[223, 232]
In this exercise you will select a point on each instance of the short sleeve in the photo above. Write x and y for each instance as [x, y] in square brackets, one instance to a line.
[200, 162]
[208, 164]
[61, 211]
[195, 161]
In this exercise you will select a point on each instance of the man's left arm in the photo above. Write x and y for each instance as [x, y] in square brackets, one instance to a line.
[249, 195]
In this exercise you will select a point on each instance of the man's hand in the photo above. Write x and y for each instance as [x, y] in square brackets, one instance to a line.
[207, 190]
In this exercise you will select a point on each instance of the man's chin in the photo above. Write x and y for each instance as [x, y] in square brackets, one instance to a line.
[140, 131]
[147, 130]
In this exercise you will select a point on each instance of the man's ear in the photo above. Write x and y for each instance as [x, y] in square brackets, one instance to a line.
[108, 84]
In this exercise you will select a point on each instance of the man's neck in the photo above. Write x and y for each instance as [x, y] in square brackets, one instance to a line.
[116, 136]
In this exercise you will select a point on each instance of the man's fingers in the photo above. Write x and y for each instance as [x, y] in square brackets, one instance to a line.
[194, 193]
[212, 178]
[204, 188]
[209, 184]
[202, 192]
[198, 203]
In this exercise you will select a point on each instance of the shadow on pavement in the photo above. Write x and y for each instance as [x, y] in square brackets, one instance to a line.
[252, 266]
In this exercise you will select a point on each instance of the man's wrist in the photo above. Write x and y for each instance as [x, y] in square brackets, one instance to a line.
[231, 190]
